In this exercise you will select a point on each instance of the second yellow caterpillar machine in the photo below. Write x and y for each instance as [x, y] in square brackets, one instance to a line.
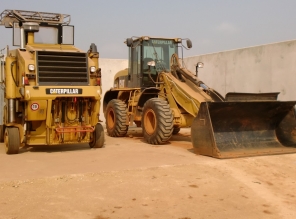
[159, 95]
[50, 89]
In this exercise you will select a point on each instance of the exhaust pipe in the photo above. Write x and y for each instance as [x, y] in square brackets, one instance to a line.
[11, 111]
[29, 27]
[22, 30]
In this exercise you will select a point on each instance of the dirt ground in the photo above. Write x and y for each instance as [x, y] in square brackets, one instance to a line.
[131, 179]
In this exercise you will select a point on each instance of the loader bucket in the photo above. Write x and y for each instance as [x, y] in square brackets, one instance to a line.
[242, 129]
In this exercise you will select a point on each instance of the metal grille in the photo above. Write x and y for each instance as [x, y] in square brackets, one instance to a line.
[62, 68]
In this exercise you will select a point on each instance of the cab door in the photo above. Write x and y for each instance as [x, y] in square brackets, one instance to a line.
[134, 67]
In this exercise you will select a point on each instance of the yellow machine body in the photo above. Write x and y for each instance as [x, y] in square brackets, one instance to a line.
[52, 89]
[167, 97]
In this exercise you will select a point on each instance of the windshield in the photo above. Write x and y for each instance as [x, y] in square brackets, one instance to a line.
[160, 51]
[47, 35]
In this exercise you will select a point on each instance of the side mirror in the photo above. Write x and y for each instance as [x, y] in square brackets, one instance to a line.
[198, 65]
[129, 42]
[189, 44]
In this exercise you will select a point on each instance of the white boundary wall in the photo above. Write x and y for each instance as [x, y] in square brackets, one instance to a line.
[109, 68]
[259, 69]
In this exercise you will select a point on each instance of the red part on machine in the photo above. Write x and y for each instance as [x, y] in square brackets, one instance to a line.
[74, 129]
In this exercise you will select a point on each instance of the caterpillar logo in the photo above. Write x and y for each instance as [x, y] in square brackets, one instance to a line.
[167, 42]
[63, 91]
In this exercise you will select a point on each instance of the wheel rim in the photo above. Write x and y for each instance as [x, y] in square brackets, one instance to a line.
[111, 118]
[150, 122]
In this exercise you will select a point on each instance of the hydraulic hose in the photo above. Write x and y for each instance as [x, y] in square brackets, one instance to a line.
[63, 112]
[11, 66]
[80, 110]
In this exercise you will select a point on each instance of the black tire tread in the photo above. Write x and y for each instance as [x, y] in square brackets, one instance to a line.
[176, 130]
[120, 129]
[99, 137]
[2, 129]
[164, 117]
[13, 142]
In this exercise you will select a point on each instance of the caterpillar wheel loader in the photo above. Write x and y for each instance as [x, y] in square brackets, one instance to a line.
[50, 89]
[159, 95]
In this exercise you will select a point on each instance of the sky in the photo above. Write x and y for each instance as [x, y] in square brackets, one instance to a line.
[211, 25]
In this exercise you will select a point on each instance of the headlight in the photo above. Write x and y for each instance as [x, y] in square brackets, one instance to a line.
[31, 67]
[92, 69]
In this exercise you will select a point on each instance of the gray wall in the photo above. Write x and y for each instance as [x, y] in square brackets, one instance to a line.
[265, 68]
[109, 68]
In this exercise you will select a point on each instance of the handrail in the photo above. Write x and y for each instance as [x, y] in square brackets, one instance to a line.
[11, 16]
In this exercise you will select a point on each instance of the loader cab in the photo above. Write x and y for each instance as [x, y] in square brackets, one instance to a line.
[147, 58]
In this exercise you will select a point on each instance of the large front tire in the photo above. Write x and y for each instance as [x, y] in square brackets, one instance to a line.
[98, 138]
[116, 118]
[12, 140]
[157, 121]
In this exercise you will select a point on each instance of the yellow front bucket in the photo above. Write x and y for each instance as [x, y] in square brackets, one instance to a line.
[241, 129]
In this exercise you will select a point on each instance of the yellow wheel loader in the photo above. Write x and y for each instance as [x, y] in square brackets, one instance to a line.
[50, 90]
[159, 95]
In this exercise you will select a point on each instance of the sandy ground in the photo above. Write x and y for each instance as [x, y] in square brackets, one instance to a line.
[131, 179]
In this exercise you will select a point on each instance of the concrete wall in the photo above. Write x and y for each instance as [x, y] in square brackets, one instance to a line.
[109, 68]
[265, 68]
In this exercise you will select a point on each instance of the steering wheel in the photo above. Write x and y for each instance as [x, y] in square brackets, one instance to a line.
[160, 65]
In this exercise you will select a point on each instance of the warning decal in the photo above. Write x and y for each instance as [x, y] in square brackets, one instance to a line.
[34, 106]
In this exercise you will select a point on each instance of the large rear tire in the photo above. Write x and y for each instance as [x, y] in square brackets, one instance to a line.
[176, 130]
[157, 121]
[98, 139]
[12, 140]
[2, 129]
[116, 118]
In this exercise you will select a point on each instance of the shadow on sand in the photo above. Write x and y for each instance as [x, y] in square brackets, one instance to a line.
[181, 140]
[54, 148]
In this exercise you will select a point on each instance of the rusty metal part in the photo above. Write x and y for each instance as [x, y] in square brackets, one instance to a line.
[74, 129]
[251, 96]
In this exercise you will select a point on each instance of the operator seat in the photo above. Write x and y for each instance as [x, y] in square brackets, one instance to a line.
[145, 63]
[147, 82]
